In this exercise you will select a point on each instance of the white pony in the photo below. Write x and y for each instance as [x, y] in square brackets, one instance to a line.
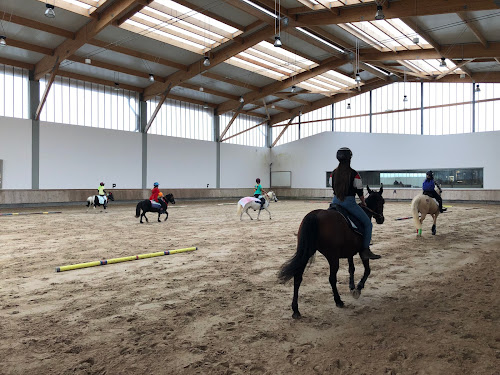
[97, 200]
[425, 205]
[246, 203]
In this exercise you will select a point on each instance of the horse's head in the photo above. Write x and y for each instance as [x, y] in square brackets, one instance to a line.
[169, 198]
[375, 202]
[270, 195]
[110, 196]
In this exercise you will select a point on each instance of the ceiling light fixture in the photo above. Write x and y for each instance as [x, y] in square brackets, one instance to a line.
[405, 98]
[416, 40]
[151, 77]
[277, 41]
[88, 61]
[49, 12]
[443, 63]
[205, 105]
[348, 105]
[294, 88]
[206, 61]
[117, 86]
[462, 75]
[477, 88]
[241, 99]
[3, 40]
[380, 13]
[358, 78]
[201, 88]
[273, 106]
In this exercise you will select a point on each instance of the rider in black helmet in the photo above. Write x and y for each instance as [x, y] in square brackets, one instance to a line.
[429, 189]
[346, 184]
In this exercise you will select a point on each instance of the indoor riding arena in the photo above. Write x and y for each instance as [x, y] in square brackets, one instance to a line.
[167, 169]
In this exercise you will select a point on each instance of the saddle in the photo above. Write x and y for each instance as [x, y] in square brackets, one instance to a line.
[429, 194]
[102, 199]
[155, 204]
[352, 221]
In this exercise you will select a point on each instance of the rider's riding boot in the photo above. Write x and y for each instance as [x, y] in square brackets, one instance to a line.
[442, 209]
[366, 254]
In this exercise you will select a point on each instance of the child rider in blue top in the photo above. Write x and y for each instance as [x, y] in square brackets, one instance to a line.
[428, 187]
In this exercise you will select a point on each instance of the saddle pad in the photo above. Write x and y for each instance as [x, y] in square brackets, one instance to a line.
[155, 204]
[246, 200]
[102, 199]
[351, 221]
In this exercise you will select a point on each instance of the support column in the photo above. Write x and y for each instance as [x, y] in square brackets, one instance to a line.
[269, 135]
[333, 117]
[421, 108]
[142, 122]
[34, 100]
[473, 107]
[371, 111]
[216, 137]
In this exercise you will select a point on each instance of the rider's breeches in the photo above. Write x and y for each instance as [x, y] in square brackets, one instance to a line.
[435, 195]
[350, 205]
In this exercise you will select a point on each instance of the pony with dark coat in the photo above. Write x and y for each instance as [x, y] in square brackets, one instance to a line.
[146, 206]
[327, 231]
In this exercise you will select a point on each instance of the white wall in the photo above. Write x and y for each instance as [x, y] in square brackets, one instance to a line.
[78, 157]
[181, 163]
[15, 151]
[311, 157]
[241, 165]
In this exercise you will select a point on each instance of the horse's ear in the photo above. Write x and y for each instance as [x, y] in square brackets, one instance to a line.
[381, 189]
[369, 190]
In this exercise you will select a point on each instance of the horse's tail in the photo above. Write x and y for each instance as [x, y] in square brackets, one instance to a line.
[239, 209]
[414, 211]
[306, 247]
[138, 210]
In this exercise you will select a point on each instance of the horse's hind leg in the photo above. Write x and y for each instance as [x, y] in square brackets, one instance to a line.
[334, 267]
[355, 292]
[159, 217]
[246, 211]
[361, 284]
[297, 280]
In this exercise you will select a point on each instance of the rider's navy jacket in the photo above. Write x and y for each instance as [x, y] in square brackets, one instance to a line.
[428, 185]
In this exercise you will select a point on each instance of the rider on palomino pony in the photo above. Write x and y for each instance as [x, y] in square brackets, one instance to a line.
[155, 194]
[428, 187]
[346, 183]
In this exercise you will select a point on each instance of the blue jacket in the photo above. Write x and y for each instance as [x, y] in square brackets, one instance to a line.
[428, 185]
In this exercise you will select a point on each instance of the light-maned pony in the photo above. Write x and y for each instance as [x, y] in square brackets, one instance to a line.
[424, 205]
[254, 203]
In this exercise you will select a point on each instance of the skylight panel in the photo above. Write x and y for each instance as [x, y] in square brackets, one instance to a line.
[256, 68]
[265, 62]
[376, 34]
[184, 11]
[406, 30]
[393, 32]
[332, 82]
[287, 55]
[320, 39]
[271, 60]
[80, 4]
[263, 10]
[342, 78]
[164, 34]
[324, 84]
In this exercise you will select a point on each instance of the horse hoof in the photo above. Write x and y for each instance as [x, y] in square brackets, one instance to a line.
[296, 315]
[339, 304]
[355, 293]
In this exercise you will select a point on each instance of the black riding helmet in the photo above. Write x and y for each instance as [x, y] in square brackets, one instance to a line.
[344, 154]
[429, 175]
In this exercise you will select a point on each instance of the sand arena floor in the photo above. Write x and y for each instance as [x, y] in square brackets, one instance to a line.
[430, 306]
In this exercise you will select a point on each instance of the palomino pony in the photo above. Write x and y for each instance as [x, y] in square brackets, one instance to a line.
[247, 203]
[425, 205]
[328, 232]
[94, 200]
[146, 206]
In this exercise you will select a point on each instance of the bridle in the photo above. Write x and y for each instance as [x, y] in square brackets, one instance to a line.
[376, 215]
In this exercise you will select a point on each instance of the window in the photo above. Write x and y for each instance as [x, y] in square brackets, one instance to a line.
[14, 92]
[315, 122]
[181, 119]
[447, 178]
[487, 107]
[353, 114]
[75, 102]
[245, 130]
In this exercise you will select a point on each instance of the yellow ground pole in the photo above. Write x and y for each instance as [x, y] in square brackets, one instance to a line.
[123, 259]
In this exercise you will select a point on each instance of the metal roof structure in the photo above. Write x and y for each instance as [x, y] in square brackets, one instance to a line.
[325, 44]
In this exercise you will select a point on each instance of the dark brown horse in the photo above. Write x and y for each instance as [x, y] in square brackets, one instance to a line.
[328, 232]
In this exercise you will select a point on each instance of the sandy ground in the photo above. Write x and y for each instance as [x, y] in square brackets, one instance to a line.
[430, 306]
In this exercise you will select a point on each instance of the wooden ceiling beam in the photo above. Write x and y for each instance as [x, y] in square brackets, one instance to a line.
[210, 14]
[29, 47]
[132, 12]
[112, 67]
[98, 81]
[16, 63]
[397, 9]
[474, 28]
[231, 81]
[8, 17]
[67, 48]
[209, 91]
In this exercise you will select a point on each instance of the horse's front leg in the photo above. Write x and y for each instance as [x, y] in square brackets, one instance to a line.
[269, 212]
[297, 280]
[361, 284]
[434, 217]
[166, 217]
[159, 213]
[355, 293]
[334, 267]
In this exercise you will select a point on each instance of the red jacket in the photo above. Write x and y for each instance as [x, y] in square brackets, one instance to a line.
[154, 194]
